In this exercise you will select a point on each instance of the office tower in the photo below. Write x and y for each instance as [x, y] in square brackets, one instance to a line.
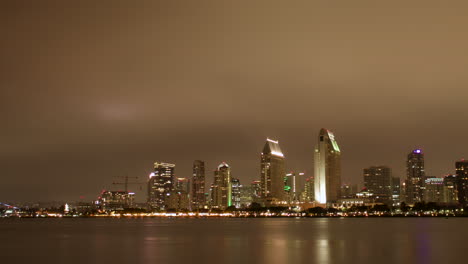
[461, 168]
[378, 180]
[433, 189]
[415, 176]
[290, 187]
[272, 173]
[309, 190]
[182, 184]
[327, 167]
[198, 185]
[396, 190]
[115, 200]
[236, 192]
[450, 189]
[256, 192]
[177, 200]
[247, 194]
[160, 184]
[221, 190]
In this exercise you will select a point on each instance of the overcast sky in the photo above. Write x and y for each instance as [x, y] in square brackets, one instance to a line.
[93, 90]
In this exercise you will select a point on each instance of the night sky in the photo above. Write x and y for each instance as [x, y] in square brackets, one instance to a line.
[92, 90]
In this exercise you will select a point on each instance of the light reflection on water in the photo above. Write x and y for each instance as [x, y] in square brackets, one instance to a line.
[282, 240]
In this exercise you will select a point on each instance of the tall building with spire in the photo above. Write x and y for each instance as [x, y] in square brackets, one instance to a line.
[198, 185]
[160, 184]
[327, 167]
[221, 189]
[272, 173]
[415, 176]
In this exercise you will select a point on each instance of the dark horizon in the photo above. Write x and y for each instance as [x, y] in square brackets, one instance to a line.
[95, 90]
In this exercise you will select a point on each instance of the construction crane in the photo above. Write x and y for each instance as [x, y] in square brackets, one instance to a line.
[126, 182]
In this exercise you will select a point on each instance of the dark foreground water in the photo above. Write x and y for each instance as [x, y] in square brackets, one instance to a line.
[282, 240]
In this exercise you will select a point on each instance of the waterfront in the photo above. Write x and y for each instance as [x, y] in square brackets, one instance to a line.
[234, 240]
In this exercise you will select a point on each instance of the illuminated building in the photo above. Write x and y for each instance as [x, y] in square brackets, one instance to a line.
[290, 187]
[221, 190]
[236, 192]
[247, 194]
[115, 200]
[348, 190]
[198, 185]
[182, 184]
[309, 189]
[256, 192]
[272, 172]
[177, 200]
[378, 180]
[415, 176]
[461, 168]
[160, 184]
[450, 189]
[396, 190]
[327, 167]
[433, 190]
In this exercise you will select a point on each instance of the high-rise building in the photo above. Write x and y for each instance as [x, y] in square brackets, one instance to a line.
[290, 187]
[256, 192]
[327, 167]
[396, 191]
[198, 185]
[246, 195]
[415, 176]
[182, 184]
[450, 189]
[348, 190]
[115, 200]
[272, 172]
[309, 189]
[236, 192]
[221, 190]
[177, 200]
[461, 168]
[433, 189]
[378, 180]
[160, 184]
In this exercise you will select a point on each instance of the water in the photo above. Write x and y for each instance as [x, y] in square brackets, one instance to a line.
[270, 240]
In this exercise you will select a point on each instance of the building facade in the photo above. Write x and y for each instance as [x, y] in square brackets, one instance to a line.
[450, 189]
[433, 190]
[415, 176]
[236, 192]
[272, 172]
[461, 170]
[327, 168]
[160, 184]
[198, 185]
[378, 180]
[115, 200]
[221, 189]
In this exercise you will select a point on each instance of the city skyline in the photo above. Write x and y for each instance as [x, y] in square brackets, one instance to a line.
[105, 90]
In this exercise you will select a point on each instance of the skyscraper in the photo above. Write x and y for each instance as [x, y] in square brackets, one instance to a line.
[461, 168]
[434, 189]
[160, 184]
[221, 190]
[272, 172]
[378, 180]
[236, 192]
[198, 185]
[415, 176]
[450, 189]
[327, 167]
[396, 191]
